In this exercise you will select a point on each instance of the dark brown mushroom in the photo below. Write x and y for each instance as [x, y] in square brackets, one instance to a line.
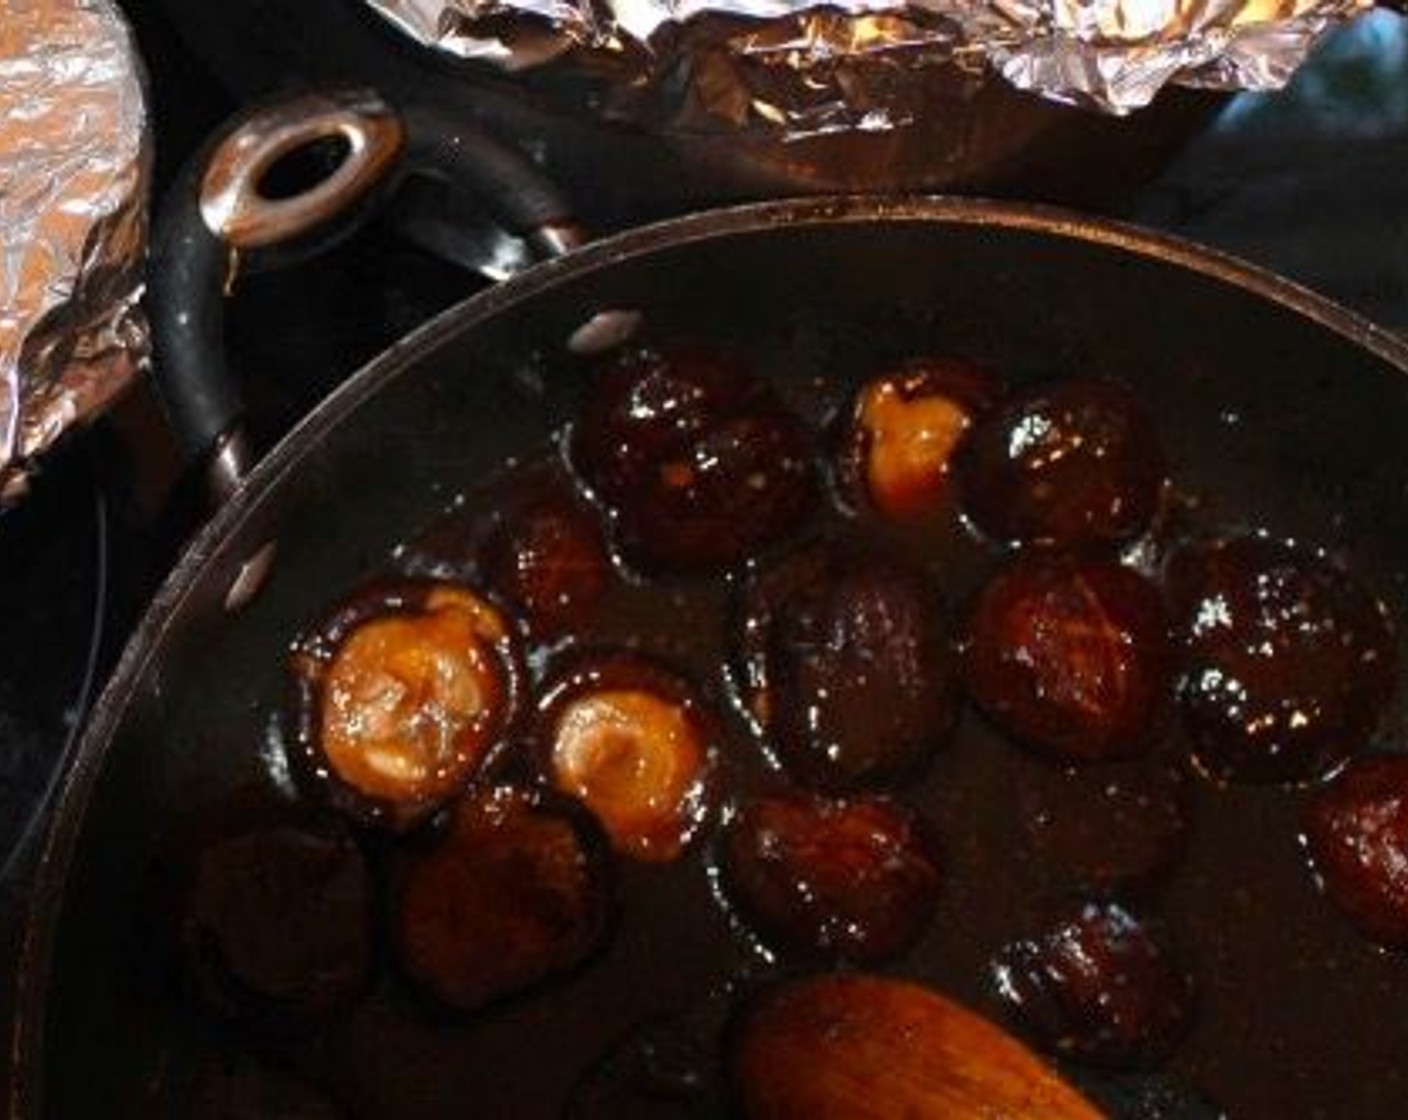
[1356, 832]
[274, 921]
[695, 459]
[545, 555]
[517, 890]
[852, 879]
[1289, 663]
[1072, 658]
[1069, 463]
[1100, 985]
[844, 662]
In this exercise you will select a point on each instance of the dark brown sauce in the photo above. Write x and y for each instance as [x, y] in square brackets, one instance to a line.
[1296, 1014]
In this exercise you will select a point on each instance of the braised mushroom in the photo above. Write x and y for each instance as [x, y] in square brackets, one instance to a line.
[401, 698]
[852, 879]
[1069, 463]
[1100, 985]
[898, 441]
[517, 890]
[631, 738]
[544, 554]
[844, 663]
[1289, 663]
[1072, 658]
[695, 459]
[274, 922]
[1356, 832]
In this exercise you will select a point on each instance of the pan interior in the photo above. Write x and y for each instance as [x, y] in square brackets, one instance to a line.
[1273, 419]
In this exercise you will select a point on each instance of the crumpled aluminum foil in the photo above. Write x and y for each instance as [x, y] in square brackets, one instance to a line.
[74, 168]
[842, 64]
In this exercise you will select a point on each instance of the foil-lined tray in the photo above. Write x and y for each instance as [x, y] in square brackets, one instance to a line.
[74, 168]
[804, 68]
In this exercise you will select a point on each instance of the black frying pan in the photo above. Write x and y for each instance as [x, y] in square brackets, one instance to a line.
[1280, 409]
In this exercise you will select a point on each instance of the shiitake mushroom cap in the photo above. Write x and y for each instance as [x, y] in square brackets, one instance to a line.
[1356, 834]
[1071, 657]
[400, 698]
[1101, 984]
[632, 738]
[843, 661]
[544, 552]
[1063, 464]
[271, 911]
[1288, 662]
[516, 888]
[899, 434]
[695, 459]
[814, 877]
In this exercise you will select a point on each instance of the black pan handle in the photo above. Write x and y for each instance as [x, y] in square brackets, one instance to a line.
[223, 217]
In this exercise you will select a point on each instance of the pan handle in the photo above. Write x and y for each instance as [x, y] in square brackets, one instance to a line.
[226, 214]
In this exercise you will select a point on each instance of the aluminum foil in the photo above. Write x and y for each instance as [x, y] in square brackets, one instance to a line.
[74, 166]
[812, 67]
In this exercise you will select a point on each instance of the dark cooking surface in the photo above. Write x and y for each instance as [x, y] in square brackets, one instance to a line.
[1264, 947]
[190, 738]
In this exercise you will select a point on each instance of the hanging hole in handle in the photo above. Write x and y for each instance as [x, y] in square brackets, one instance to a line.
[289, 170]
[304, 167]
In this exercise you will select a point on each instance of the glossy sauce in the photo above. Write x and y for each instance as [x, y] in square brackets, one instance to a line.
[1296, 1014]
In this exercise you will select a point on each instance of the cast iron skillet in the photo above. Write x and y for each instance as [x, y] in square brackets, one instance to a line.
[1276, 405]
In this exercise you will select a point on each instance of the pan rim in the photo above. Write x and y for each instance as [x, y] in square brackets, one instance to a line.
[83, 768]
